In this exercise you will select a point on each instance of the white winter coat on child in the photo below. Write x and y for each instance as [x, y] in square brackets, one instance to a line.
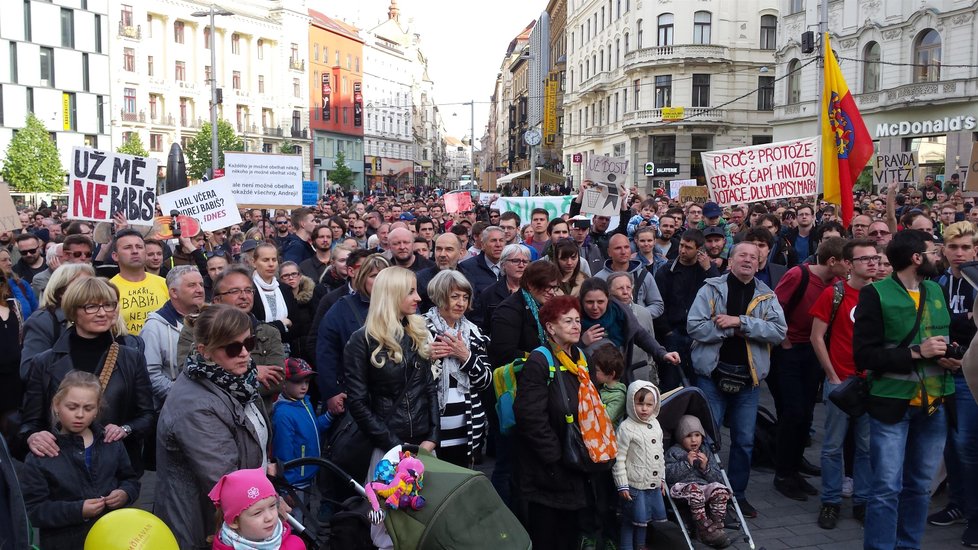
[641, 460]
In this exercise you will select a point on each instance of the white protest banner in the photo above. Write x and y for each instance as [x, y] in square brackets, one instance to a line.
[263, 180]
[894, 167]
[763, 172]
[211, 203]
[609, 174]
[9, 218]
[676, 185]
[523, 206]
[102, 184]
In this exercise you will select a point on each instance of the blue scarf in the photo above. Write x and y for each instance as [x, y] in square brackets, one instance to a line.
[613, 322]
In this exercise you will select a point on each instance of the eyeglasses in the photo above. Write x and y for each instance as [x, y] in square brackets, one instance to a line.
[77, 254]
[519, 261]
[29, 251]
[880, 233]
[234, 348]
[869, 259]
[92, 309]
[234, 292]
[288, 275]
[281, 223]
[215, 253]
[552, 289]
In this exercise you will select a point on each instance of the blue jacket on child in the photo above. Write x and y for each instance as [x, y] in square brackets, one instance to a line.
[297, 430]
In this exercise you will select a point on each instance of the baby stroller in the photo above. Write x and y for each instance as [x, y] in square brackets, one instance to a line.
[692, 401]
[462, 510]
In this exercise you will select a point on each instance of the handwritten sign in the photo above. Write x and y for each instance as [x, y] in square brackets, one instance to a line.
[896, 167]
[260, 180]
[763, 172]
[102, 184]
[211, 203]
[609, 174]
[9, 219]
[675, 186]
[699, 194]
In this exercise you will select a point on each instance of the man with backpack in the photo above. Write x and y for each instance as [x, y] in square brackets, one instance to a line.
[833, 323]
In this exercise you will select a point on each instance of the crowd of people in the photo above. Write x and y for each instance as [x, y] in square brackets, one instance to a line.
[214, 358]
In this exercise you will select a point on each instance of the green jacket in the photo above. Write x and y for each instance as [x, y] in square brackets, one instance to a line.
[613, 397]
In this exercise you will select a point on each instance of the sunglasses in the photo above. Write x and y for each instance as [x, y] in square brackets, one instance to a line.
[77, 254]
[234, 348]
[29, 251]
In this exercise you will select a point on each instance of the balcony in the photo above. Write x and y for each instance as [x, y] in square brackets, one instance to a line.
[273, 131]
[692, 115]
[297, 64]
[129, 31]
[596, 82]
[301, 133]
[132, 117]
[163, 120]
[684, 54]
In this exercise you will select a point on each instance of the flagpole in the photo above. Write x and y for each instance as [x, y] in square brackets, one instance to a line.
[823, 26]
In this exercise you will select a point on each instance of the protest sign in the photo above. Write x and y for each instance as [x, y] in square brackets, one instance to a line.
[523, 206]
[264, 180]
[676, 185]
[697, 193]
[895, 167]
[102, 184]
[9, 218]
[763, 172]
[211, 203]
[485, 199]
[310, 193]
[458, 202]
[971, 177]
[609, 175]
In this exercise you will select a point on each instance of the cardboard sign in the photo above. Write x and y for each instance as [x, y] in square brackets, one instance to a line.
[102, 184]
[675, 186]
[9, 218]
[211, 203]
[699, 194]
[763, 172]
[458, 202]
[260, 180]
[610, 175]
[896, 167]
[971, 178]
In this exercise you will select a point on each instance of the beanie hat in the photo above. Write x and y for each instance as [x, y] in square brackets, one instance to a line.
[237, 491]
[688, 424]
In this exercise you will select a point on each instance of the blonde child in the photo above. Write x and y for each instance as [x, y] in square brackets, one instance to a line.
[65, 494]
[248, 505]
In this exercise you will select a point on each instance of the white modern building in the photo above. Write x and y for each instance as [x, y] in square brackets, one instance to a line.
[54, 62]
[161, 72]
[458, 160]
[911, 67]
[661, 81]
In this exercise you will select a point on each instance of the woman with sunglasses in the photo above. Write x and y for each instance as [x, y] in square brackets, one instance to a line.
[91, 305]
[212, 423]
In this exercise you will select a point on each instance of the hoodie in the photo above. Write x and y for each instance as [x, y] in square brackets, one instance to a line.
[161, 333]
[641, 462]
[297, 433]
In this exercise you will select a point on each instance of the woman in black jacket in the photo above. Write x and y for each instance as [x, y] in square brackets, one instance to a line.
[292, 281]
[92, 305]
[516, 328]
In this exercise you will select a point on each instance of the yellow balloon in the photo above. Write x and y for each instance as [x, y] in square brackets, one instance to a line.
[130, 529]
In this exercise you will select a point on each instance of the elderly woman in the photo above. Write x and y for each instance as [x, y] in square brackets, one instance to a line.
[516, 321]
[459, 350]
[620, 288]
[567, 256]
[92, 306]
[212, 423]
[513, 259]
[301, 287]
[606, 320]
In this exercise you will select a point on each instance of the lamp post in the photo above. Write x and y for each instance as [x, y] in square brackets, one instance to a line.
[211, 12]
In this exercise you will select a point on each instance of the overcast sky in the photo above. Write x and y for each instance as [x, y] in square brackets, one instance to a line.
[464, 40]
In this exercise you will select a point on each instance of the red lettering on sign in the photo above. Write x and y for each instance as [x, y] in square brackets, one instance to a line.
[88, 196]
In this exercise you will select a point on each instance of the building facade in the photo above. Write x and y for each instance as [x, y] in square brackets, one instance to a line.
[336, 103]
[552, 157]
[662, 82]
[54, 62]
[910, 68]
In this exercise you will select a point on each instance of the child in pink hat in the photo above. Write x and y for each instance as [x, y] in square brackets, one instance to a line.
[249, 505]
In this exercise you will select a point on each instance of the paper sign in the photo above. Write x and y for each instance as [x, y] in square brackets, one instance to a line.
[896, 167]
[458, 202]
[9, 218]
[676, 185]
[485, 199]
[698, 194]
[971, 178]
[260, 180]
[763, 172]
[601, 200]
[103, 183]
[310, 193]
[211, 203]
[609, 174]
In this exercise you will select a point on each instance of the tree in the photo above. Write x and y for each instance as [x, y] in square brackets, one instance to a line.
[33, 164]
[287, 148]
[199, 149]
[341, 174]
[133, 146]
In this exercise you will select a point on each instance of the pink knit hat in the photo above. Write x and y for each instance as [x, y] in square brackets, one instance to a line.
[237, 491]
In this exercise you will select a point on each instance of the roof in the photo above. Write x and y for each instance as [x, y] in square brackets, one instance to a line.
[335, 25]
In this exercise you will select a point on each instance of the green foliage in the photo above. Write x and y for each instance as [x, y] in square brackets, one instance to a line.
[864, 182]
[341, 174]
[287, 148]
[32, 164]
[198, 151]
[133, 146]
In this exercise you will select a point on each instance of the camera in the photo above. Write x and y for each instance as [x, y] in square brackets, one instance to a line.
[955, 351]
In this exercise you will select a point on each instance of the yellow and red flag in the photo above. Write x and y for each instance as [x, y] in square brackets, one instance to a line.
[846, 145]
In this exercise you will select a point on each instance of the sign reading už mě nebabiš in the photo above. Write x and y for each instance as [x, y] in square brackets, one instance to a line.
[211, 203]
[763, 172]
[102, 184]
[264, 180]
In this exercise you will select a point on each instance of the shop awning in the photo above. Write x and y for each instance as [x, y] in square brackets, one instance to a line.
[546, 176]
[510, 177]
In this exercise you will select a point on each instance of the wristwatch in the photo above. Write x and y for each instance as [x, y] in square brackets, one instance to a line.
[916, 348]
[126, 428]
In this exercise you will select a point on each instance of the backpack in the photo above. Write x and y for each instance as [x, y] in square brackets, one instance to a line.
[765, 439]
[504, 382]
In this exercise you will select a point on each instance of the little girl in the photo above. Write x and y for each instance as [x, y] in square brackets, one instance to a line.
[65, 494]
[638, 471]
[694, 474]
[249, 506]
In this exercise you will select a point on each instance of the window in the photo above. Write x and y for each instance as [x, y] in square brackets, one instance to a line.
[67, 28]
[345, 115]
[927, 57]
[761, 140]
[47, 67]
[30, 99]
[664, 149]
[624, 100]
[27, 20]
[180, 72]
[871, 67]
[665, 30]
[700, 144]
[617, 52]
[13, 62]
[183, 111]
[178, 34]
[295, 51]
[626, 43]
[701, 90]
[765, 93]
[207, 73]
[337, 64]
[638, 27]
[129, 59]
[91, 141]
[638, 89]
[100, 113]
[71, 117]
[295, 87]
[356, 65]
[129, 101]
[261, 49]
[601, 64]
[236, 44]
[236, 80]
[794, 82]
[795, 6]
[207, 38]
[349, 62]
[701, 27]
[769, 32]
[126, 16]
[602, 18]
[153, 101]
[663, 91]
[261, 83]
[296, 121]
[315, 51]
[156, 142]
[98, 33]
[149, 65]
[86, 81]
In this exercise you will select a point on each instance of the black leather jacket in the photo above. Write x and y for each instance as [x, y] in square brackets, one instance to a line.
[371, 392]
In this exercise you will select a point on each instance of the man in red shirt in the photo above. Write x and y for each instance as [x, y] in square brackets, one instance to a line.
[836, 319]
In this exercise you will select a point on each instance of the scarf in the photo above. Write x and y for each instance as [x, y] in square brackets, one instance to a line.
[237, 542]
[275, 310]
[535, 311]
[596, 428]
[243, 388]
[450, 366]
[613, 322]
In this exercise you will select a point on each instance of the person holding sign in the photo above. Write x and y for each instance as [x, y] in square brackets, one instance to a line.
[140, 293]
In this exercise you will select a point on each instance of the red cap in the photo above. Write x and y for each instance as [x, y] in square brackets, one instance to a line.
[296, 368]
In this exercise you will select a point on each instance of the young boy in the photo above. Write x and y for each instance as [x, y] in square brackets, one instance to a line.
[608, 367]
[694, 475]
[646, 218]
[297, 430]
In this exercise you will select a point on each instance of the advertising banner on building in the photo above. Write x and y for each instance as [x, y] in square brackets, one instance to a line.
[550, 110]
[66, 100]
[326, 93]
[262, 180]
[211, 203]
[102, 184]
[609, 174]
[357, 105]
[894, 167]
[763, 172]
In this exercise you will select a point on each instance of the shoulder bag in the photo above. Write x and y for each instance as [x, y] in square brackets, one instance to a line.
[574, 454]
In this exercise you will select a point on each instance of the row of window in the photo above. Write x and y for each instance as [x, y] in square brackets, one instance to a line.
[71, 120]
[666, 36]
[156, 142]
[67, 27]
[350, 65]
[46, 71]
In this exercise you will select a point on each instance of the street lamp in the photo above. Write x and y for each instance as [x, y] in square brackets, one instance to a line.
[211, 12]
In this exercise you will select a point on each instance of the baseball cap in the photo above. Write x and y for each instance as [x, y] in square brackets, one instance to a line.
[407, 217]
[580, 221]
[297, 369]
[712, 230]
[712, 210]
[249, 245]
